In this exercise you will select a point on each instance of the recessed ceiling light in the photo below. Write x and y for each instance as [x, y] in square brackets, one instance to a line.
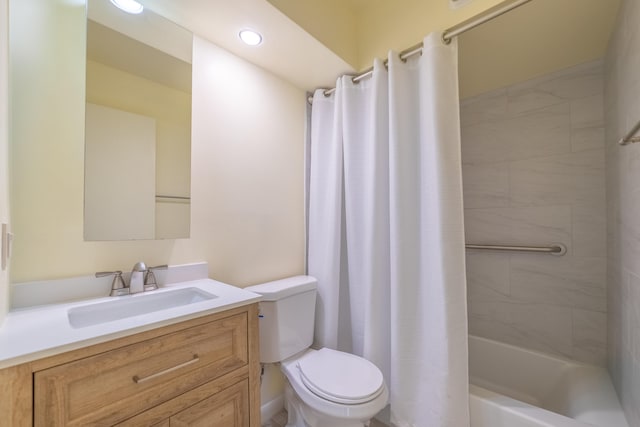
[250, 37]
[129, 6]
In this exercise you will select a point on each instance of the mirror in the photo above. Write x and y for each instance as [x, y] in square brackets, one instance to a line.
[138, 126]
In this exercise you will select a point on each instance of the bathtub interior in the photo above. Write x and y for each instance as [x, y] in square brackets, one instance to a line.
[573, 390]
[491, 409]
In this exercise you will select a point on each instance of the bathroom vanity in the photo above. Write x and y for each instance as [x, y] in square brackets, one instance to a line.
[176, 368]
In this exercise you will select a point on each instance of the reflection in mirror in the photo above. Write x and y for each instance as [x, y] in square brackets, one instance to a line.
[138, 126]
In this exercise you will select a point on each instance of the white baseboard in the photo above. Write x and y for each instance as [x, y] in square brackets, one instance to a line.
[271, 408]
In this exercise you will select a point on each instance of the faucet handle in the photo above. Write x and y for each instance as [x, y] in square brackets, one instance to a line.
[118, 287]
[150, 278]
[108, 273]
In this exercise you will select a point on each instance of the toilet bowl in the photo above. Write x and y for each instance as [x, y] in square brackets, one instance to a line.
[329, 388]
[325, 387]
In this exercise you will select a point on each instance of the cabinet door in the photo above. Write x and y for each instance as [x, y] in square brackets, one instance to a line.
[228, 408]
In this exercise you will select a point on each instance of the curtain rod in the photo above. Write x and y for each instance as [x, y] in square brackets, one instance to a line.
[447, 36]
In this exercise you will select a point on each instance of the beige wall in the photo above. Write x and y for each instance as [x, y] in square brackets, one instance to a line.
[361, 30]
[622, 106]
[4, 146]
[247, 161]
[399, 25]
[540, 37]
[332, 22]
[247, 168]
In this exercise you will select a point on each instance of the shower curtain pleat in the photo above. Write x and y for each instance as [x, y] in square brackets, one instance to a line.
[366, 197]
[325, 214]
[386, 238]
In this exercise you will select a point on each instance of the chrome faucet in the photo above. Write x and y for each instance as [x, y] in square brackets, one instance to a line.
[150, 282]
[118, 288]
[136, 282]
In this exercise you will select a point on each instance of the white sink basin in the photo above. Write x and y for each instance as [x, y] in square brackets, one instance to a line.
[93, 314]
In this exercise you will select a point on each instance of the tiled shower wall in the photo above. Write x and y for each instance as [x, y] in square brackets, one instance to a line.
[622, 101]
[534, 174]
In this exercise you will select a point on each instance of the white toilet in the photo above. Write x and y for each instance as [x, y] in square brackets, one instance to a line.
[325, 388]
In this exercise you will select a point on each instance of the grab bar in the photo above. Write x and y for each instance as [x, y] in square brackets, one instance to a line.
[629, 138]
[160, 196]
[172, 199]
[557, 249]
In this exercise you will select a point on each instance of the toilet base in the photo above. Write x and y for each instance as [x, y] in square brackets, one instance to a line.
[301, 415]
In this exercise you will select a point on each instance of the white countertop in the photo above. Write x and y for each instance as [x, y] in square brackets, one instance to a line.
[33, 333]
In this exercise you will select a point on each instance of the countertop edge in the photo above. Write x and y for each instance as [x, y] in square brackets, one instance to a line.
[19, 360]
[27, 357]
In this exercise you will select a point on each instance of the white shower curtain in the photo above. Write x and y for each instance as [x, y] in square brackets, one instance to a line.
[386, 238]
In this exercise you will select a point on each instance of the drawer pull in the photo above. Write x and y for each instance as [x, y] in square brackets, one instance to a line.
[136, 379]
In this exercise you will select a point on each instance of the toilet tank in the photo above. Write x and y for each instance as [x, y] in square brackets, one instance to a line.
[287, 315]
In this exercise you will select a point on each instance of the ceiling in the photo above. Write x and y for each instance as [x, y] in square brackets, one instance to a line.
[309, 43]
[287, 50]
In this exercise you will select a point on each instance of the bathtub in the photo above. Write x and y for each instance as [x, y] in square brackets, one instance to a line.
[513, 387]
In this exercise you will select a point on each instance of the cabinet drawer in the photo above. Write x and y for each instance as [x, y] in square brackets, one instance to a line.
[110, 387]
[229, 408]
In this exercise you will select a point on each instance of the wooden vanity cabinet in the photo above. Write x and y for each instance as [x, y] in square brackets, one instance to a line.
[201, 372]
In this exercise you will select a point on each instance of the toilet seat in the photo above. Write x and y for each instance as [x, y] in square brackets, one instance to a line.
[340, 377]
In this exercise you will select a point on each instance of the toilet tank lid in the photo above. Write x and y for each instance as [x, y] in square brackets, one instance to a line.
[279, 289]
